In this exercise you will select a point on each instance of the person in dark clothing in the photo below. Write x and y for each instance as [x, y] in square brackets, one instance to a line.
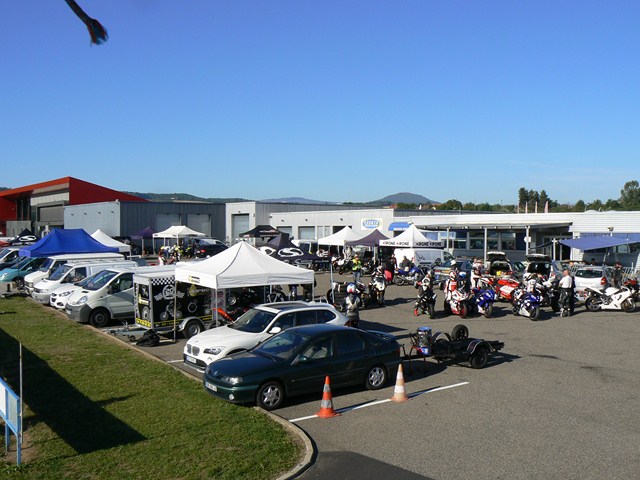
[616, 276]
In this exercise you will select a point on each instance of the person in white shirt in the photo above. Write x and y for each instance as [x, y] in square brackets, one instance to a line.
[567, 286]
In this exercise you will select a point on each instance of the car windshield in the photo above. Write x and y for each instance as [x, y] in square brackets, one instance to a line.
[46, 265]
[60, 272]
[253, 321]
[283, 346]
[22, 263]
[85, 281]
[100, 280]
[588, 273]
[4, 252]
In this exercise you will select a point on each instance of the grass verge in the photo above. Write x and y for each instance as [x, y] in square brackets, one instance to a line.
[98, 410]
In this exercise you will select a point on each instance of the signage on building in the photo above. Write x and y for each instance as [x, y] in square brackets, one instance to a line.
[370, 223]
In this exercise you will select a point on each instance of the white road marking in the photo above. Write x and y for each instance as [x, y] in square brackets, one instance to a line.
[175, 361]
[378, 402]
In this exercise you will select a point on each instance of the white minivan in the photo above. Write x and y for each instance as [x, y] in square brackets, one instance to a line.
[422, 256]
[71, 273]
[54, 261]
[107, 296]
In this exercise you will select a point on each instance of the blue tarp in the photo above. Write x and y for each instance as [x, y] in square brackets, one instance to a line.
[61, 241]
[397, 226]
[595, 242]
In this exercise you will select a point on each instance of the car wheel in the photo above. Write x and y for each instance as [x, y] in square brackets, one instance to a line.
[191, 329]
[488, 311]
[593, 304]
[270, 395]
[460, 332]
[376, 378]
[628, 305]
[479, 358]
[99, 318]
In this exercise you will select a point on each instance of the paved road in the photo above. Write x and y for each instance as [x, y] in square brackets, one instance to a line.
[562, 402]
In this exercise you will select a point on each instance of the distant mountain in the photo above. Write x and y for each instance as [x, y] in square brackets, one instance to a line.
[4, 188]
[298, 200]
[403, 197]
[182, 197]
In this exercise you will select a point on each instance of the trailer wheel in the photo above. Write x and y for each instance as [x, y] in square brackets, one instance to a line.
[460, 332]
[191, 329]
[99, 318]
[480, 357]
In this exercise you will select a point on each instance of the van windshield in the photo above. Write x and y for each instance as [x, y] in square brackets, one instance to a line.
[46, 265]
[100, 280]
[60, 272]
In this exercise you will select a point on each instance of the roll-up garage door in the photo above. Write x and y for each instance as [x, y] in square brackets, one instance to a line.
[306, 233]
[166, 220]
[239, 224]
[200, 222]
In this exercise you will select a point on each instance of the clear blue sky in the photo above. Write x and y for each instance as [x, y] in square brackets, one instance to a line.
[332, 100]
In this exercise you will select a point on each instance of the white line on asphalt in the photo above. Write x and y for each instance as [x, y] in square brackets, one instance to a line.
[378, 402]
[174, 361]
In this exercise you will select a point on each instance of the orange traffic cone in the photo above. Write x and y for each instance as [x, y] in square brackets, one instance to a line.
[326, 406]
[399, 393]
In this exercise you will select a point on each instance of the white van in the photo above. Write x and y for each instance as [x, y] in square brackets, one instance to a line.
[108, 296]
[422, 256]
[54, 261]
[71, 273]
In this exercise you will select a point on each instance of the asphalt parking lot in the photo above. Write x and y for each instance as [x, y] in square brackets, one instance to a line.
[560, 401]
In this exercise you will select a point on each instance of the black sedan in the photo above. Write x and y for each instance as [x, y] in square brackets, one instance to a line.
[297, 361]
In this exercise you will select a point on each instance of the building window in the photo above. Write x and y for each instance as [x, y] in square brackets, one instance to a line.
[508, 240]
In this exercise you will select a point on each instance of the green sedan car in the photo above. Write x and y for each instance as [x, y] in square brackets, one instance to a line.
[297, 361]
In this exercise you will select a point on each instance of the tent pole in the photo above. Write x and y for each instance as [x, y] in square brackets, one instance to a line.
[175, 306]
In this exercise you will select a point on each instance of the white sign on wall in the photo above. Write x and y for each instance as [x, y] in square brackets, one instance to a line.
[370, 223]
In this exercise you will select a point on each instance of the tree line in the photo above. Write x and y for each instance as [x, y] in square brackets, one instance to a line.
[533, 200]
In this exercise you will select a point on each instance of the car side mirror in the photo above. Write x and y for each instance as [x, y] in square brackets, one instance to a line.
[275, 330]
[299, 359]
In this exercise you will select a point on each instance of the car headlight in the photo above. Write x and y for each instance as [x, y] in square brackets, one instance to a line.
[65, 294]
[82, 300]
[213, 350]
[232, 380]
[42, 290]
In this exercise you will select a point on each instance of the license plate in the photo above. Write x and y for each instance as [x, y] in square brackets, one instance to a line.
[191, 359]
[211, 386]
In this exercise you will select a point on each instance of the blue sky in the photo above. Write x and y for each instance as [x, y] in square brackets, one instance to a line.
[339, 101]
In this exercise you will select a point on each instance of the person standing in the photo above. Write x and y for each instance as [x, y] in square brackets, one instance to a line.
[352, 306]
[567, 288]
[616, 276]
[356, 269]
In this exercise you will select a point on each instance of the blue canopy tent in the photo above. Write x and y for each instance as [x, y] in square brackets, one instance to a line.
[594, 242]
[61, 241]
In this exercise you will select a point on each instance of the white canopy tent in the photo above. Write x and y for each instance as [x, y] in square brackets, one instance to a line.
[178, 231]
[347, 234]
[411, 238]
[242, 266]
[105, 239]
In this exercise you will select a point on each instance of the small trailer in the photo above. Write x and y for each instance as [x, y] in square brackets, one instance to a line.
[457, 347]
[163, 305]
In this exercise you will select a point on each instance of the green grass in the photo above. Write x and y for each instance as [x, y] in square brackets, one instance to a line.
[95, 409]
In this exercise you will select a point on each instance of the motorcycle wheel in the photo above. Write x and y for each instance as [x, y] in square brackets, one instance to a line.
[516, 310]
[447, 308]
[431, 310]
[464, 310]
[593, 304]
[488, 311]
[534, 313]
[628, 305]
[555, 307]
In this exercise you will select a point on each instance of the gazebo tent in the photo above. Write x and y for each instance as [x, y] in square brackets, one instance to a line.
[105, 239]
[411, 238]
[285, 250]
[242, 266]
[145, 233]
[177, 232]
[61, 241]
[261, 231]
[340, 238]
[593, 242]
[26, 237]
[371, 240]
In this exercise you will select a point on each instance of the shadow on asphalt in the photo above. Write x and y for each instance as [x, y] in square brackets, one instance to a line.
[353, 466]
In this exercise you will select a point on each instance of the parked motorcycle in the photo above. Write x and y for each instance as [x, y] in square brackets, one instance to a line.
[483, 300]
[458, 304]
[338, 291]
[610, 299]
[426, 302]
[377, 287]
[633, 285]
[410, 277]
[526, 304]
